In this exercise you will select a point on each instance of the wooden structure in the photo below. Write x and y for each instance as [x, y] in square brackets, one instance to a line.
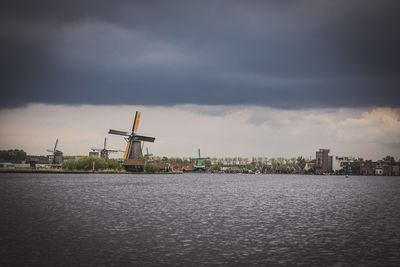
[56, 158]
[104, 151]
[133, 157]
[199, 167]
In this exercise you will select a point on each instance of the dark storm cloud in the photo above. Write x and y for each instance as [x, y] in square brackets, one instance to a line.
[295, 54]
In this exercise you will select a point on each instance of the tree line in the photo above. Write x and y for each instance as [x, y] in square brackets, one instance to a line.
[13, 155]
[239, 161]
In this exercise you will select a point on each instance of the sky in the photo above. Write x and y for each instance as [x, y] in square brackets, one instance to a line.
[235, 78]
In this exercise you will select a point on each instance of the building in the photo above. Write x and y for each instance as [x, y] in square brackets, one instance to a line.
[330, 163]
[355, 167]
[56, 158]
[7, 165]
[396, 170]
[93, 154]
[322, 161]
[368, 167]
[339, 162]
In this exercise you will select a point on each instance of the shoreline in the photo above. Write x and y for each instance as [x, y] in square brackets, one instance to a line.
[55, 171]
[77, 171]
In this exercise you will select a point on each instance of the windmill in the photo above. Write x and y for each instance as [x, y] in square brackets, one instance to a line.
[147, 155]
[199, 163]
[133, 157]
[147, 158]
[57, 157]
[104, 151]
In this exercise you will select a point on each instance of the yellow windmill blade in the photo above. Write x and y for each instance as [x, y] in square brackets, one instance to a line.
[136, 122]
[127, 149]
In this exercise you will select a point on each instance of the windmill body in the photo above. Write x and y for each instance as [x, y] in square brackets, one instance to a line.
[133, 157]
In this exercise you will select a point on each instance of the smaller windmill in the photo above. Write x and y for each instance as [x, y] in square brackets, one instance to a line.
[199, 163]
[133, 158]
[147, 155]
[104, 151]
[56, 158]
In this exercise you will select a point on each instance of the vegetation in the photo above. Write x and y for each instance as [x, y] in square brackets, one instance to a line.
[90, 163]
[280, 164]
[149, 168]
[389, 159]
[12, 155]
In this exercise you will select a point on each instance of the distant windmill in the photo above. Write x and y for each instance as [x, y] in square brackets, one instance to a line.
[147, 156]
[199, 163]
[133, 157]
[57, 157]
[104, 151]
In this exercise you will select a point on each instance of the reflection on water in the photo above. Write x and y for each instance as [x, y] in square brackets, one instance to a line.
[198, 219]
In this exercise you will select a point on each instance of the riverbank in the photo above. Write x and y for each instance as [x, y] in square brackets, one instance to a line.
[78, 171]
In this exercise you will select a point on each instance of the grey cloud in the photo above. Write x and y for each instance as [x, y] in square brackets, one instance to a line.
[301, 54]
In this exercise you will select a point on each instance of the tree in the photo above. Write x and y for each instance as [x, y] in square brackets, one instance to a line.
[301, 162]
[250, 167]
[234, 160]
[113, 164]
[274, 163]
[150, 168]
[281, 161]
[259, 161]
[216, 167]
[389, 159]
[207, 163]
[13, 155]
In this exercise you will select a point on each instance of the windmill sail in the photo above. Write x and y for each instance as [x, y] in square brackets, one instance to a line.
[55, 147]
[118, 132]
[128, 145]
[136, 122]
[145, 138]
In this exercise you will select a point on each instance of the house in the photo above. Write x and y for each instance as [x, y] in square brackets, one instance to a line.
[161, 166]
[296, 170]
[188, 168]
[309, 165]
[396, 170]
[7, 165]
[368, 167]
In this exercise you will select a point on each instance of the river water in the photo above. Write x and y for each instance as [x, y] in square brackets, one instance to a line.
[198, 220]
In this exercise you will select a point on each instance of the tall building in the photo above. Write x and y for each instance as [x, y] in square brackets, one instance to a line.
[322, 161]
[330, 163]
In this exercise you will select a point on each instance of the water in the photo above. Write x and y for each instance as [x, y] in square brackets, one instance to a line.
[198, 219]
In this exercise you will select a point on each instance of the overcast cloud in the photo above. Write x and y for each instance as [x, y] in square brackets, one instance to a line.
[219, 131]
[280, 54]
